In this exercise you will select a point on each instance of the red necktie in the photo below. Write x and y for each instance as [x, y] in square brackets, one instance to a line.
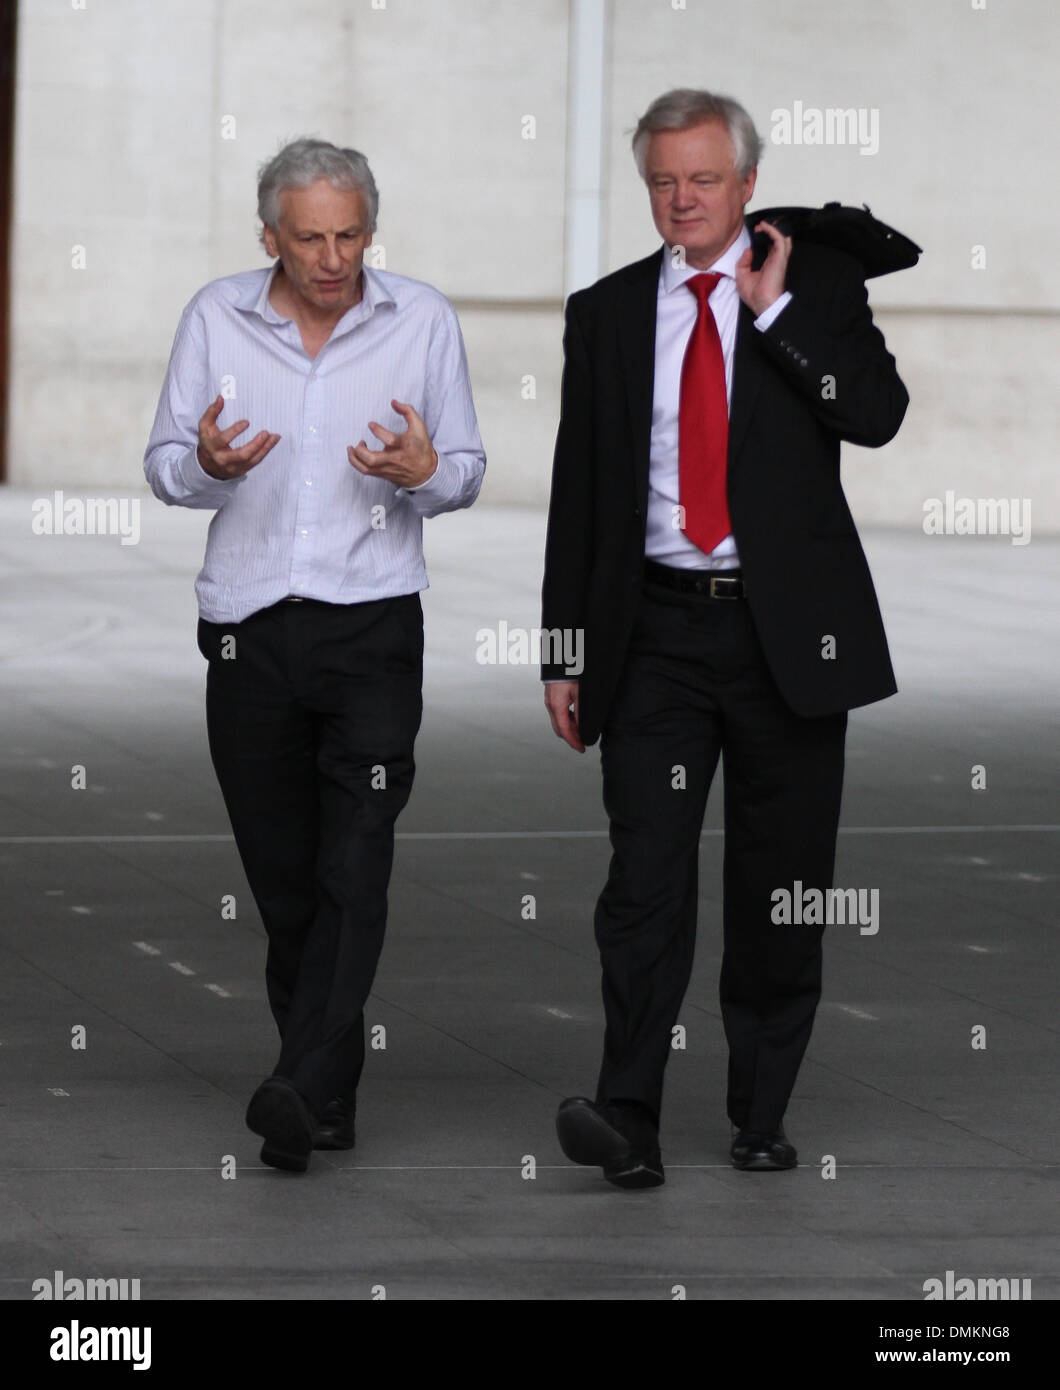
[703, 427]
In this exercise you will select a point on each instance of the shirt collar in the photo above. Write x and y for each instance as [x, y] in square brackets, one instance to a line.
[374, 293]
[674, 276]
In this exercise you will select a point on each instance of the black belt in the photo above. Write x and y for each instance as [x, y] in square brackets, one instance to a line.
[720, 584]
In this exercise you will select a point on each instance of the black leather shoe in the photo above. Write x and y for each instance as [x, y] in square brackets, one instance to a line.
[335, 1127]
[618, 1137]
[280, 1114]
[762, 1153]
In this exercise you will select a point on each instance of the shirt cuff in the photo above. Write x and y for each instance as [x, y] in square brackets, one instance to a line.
[198, 482]
[767, 316]
[441, 486]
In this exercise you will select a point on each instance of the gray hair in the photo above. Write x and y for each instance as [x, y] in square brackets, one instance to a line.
[684, 108]
[300, 164]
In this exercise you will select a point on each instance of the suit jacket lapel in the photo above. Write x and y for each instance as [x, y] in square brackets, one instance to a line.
[636, 335]
[637, 309]
[747, 377]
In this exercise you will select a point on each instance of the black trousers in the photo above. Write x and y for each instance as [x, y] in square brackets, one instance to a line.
[312, 711]
[695, 687]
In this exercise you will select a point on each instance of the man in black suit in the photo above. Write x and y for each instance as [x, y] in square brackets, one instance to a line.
[699, 537]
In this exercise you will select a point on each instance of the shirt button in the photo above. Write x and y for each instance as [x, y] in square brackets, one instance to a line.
[309, 482]
[305, 533]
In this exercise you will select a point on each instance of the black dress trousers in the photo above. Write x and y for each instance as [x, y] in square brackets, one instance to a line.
[695, 686]
[312, 712]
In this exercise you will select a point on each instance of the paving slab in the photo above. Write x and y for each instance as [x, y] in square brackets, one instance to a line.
[128, 1156]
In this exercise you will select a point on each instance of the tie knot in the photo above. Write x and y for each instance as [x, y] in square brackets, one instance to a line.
[702, 286]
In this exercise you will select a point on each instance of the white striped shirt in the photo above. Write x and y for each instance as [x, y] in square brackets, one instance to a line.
[676, 312]
[304, 522]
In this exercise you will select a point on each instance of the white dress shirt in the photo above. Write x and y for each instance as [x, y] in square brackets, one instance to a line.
[304, 522]
[675, 318]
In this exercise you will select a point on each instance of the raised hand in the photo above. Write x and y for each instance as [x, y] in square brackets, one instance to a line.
[406, 459]
[213, 453]
[760, 288]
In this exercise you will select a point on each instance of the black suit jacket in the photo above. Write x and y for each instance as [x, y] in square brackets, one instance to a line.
[806, 574]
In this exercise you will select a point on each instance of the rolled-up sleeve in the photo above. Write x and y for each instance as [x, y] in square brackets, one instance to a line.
[449, 415]
[171, 464]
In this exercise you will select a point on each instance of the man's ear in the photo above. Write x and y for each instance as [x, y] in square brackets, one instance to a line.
[271, 245]
[749, 185]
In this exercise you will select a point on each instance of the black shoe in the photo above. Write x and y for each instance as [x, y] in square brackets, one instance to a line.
[618, 1137]
[282, 1117]
[335, 1127]
[762, 1153]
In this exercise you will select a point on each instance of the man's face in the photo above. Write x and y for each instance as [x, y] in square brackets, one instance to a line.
[321, 237]
[697, 197]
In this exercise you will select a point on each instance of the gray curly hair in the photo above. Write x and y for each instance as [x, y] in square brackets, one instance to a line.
[300, 164]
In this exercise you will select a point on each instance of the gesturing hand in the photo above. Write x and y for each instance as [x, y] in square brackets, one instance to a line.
[760, 288]
[213, 453]
[406, 460]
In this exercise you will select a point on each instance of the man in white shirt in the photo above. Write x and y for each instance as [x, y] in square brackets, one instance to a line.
[309, 605]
